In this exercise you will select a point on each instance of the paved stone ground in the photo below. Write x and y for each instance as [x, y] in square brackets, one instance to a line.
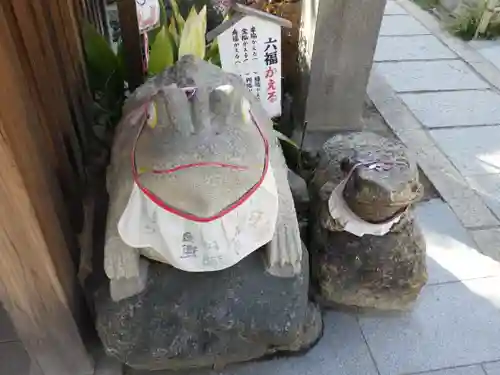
[441, 97]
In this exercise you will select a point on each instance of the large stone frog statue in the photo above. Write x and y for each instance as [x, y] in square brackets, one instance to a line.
[158, 316]
[203, 118]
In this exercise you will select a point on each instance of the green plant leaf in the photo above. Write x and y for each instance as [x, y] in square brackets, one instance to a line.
[101, 60]
[161, 55]
[172, 29]
[213, 54]
[192, 40]
[177, 15]
[285, 139]
[120, 55]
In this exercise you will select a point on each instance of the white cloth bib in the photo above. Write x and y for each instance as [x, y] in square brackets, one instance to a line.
[342, 214]
[200, 247]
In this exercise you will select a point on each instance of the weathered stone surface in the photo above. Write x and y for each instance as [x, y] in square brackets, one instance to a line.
[185, 320]
[381, 272]
[374, 195]
[299, 192]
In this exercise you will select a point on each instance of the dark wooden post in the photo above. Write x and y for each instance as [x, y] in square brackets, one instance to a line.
[131, 43]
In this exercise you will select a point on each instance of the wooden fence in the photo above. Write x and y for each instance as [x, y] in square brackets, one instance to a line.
[45, 130]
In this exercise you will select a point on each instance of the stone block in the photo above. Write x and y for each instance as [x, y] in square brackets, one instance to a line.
[454, 108]
[420, 47]
[471, 210]
[452, 254]
[382, 272]
[393, 8]
[488, 241]
[492, 368]
[488, 188]
[467, 370]
[489, 49]
[453, 324]
[190, 320]
[401, 25]
[474, 151]
[440, 75]
[351, 355]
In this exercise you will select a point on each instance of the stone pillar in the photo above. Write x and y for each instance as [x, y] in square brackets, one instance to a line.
[337, 43]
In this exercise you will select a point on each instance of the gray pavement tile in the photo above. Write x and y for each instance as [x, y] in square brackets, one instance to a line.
[407, 76]
[473, 151]
[452, 325]
[454, 108]
[451, 251]
[401, 25]
[468, 370]
[488, 188]
[420, 47]
[393, 110]
[471, 209]
[489, 49]
[341, 351]
[492, 368]
[392, 8]
[451, 185]
[14, 360]
[488, 242]
[7, 331]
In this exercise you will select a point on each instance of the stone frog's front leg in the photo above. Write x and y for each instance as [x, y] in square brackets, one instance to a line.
[284, 252]
[122, 264]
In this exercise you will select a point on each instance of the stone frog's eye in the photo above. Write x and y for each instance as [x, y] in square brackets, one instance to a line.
[223, 100]
[190, 92]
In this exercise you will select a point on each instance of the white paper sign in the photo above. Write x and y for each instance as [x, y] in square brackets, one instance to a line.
[252, 49]
[148, 14]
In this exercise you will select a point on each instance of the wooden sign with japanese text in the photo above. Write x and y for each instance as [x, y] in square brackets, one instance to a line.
[252, 49]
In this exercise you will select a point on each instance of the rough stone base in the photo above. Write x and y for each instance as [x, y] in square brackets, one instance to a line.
[380, 272]
[190, 320]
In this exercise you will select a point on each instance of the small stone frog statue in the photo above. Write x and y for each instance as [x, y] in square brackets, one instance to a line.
[366, 249]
